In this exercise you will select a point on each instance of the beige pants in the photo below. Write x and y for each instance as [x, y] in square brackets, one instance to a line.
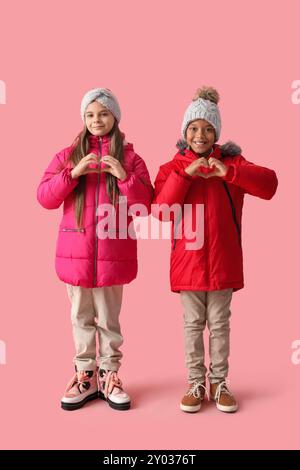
[96, 312]
[211, 308]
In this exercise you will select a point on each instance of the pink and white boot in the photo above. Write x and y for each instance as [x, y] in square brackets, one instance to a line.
[110, 390]
[82, 388]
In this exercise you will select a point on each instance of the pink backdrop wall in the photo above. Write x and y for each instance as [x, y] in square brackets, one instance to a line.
[153, 55]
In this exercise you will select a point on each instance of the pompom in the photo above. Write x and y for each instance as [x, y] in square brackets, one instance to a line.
[207, 93]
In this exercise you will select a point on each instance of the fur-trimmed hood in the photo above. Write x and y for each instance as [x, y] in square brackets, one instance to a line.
[229, 148]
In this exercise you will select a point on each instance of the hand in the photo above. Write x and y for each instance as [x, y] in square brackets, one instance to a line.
[82, 168]
[193, 168]
[113, 167]
[220, 168]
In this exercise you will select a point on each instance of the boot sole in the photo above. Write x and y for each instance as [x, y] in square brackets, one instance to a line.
[190, 409]
[80, 404]
[115, 406]
[225, 409]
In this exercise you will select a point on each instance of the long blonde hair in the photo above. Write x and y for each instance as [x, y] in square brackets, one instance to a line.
[81, 149]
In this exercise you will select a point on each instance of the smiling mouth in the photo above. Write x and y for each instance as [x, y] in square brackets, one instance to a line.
[199, 142]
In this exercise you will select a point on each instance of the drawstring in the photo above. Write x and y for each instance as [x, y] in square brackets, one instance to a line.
[80, 378]
[109, 380]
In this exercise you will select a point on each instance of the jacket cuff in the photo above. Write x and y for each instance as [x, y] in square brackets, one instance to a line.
[67, 177]
[125, 180]
[230, 175]
[185, 175]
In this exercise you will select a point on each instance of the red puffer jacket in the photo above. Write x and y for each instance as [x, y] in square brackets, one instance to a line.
[218, 263]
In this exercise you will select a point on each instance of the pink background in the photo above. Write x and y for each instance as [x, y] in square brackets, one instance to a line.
[153, 55]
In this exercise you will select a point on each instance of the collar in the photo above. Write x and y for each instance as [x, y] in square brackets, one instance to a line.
[190, 155]
[95, 139]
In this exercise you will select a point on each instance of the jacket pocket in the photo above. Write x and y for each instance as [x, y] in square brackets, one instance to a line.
[65, 229]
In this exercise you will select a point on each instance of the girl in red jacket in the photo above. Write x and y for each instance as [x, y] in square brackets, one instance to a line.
[215, 178]
[95, 255]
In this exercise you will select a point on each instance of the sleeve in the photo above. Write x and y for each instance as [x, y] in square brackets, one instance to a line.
[56, 186]
[137, 186]
[170, 188]
[252, 179]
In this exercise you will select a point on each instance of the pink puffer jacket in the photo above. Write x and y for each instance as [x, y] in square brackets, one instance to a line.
[82, 258]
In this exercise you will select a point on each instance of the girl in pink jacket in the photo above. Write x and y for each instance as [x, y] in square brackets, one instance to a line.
[98, 178]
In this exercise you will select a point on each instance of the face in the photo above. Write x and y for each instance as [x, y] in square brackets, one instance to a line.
[200, 136]
[98, 119]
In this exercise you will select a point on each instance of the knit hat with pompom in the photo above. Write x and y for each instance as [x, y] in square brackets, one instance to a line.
[203, 106]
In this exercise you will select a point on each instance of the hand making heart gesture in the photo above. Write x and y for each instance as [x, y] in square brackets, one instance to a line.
[207, 168]
[114, 167]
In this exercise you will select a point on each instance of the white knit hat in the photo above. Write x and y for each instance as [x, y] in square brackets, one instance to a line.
[203, 106]
[103, 96]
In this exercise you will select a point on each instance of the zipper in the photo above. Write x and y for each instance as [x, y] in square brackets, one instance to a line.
[174, 237]
[175, 231]
[238, 228]
[97, 201]
[73, 230]
[206, 237]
